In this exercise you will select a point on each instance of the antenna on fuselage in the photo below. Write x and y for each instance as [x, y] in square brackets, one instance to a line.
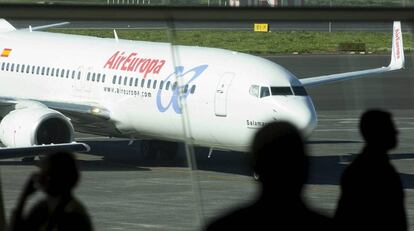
[116, 36]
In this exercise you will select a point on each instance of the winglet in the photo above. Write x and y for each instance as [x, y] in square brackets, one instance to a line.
[5, 26]
[397, 54]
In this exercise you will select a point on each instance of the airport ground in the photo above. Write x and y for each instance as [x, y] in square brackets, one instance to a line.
[125, 194]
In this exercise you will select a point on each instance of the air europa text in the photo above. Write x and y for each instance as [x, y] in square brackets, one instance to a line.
[131, 62]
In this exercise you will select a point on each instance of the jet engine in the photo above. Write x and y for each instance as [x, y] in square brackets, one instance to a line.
[35, 126]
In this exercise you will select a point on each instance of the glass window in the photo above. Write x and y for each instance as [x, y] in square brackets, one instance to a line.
[264, 91]
[154, 85]
[38, 70]
[98, 77]
[114, 79]
[28, 69]
[93, 77]
[120, 80]
[79, 75]
[47, 71]
[136, 82]
[174, 86]
[161, 84]
[57, 72]
[103, 78]
[149, 83]
[43, 70]
[88, 76]
[52, 73]
[254, 90]
[185, 89]
[12, 67]
[3, 65]
[73, 74]
[281, 91]
[125, 80]
[22, 69]
[299, 90]
[62, 73]
[131, 81]
[193, 89]
[33, 69]
[17, 67]
[7, 67]
[67, 73]
[167, 86]
[142, 83]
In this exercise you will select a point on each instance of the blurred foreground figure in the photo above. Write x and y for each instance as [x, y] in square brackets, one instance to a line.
[59, 211]
[281, 163]
[372, 196]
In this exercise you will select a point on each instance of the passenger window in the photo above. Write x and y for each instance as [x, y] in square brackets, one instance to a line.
[47, 71]
[185, 89]
[142, 83]
[98, 77]
[174, 86]
[136, 82]
[3, 65]
[33, 70]
[120, 80]
[67, 73]
[114, 79]
[155, 84]
[43, 70]
[12, 67]
[88, 76]
[38, 70]
[57, 72]
[53, 72]
[149, 83]
[93, 77]
[167, 87]
[264, 91]
[62, 73]
[79, 75]
[28, 69]
[161, 84]
[131, 81]
[7, 67]
[125, 80]
[254, 90]
[22, 70]
[193, 89]
[103, 78]
[17, 67]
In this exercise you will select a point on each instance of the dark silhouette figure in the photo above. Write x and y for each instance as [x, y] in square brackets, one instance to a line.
[372, 197]
[59, 210]
[280, 161]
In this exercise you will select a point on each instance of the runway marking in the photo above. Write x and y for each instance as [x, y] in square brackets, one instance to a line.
[352, 129]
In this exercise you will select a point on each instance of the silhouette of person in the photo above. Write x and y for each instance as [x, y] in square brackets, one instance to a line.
[59, 211]
[280, 161]
[372, 197]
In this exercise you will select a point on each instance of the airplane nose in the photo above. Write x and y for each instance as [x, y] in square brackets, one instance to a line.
[301, 112]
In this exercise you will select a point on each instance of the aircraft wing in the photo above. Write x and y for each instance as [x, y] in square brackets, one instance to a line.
[396, 63]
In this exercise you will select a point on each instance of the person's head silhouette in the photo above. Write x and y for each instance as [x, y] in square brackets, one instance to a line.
[279, 158]
[59, 174]
[378, 130]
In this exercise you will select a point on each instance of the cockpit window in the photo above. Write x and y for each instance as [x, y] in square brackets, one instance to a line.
[299, 90]
[264, 91]
[281, 91]
[254, 90]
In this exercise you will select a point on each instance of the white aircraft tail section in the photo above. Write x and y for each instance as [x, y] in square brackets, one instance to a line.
[397, 54]
[5, 26]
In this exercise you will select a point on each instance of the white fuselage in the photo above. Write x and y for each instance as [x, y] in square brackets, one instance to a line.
[225, 94]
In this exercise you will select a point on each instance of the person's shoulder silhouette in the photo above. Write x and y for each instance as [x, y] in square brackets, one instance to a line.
[60, 210]
[279, 160]
[372, 196]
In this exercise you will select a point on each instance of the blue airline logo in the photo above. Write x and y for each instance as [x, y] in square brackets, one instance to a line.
[180, 72]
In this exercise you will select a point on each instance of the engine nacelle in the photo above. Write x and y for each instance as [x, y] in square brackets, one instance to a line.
[35, 126]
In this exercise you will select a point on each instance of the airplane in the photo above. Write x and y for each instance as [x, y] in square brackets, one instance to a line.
[53, 84]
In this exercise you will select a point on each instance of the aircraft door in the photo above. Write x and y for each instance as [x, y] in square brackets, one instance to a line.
[221, 95]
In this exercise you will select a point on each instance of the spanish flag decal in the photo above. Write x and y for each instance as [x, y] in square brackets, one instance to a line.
[6, 52]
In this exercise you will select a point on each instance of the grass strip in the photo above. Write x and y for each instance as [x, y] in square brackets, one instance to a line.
[301, 42]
